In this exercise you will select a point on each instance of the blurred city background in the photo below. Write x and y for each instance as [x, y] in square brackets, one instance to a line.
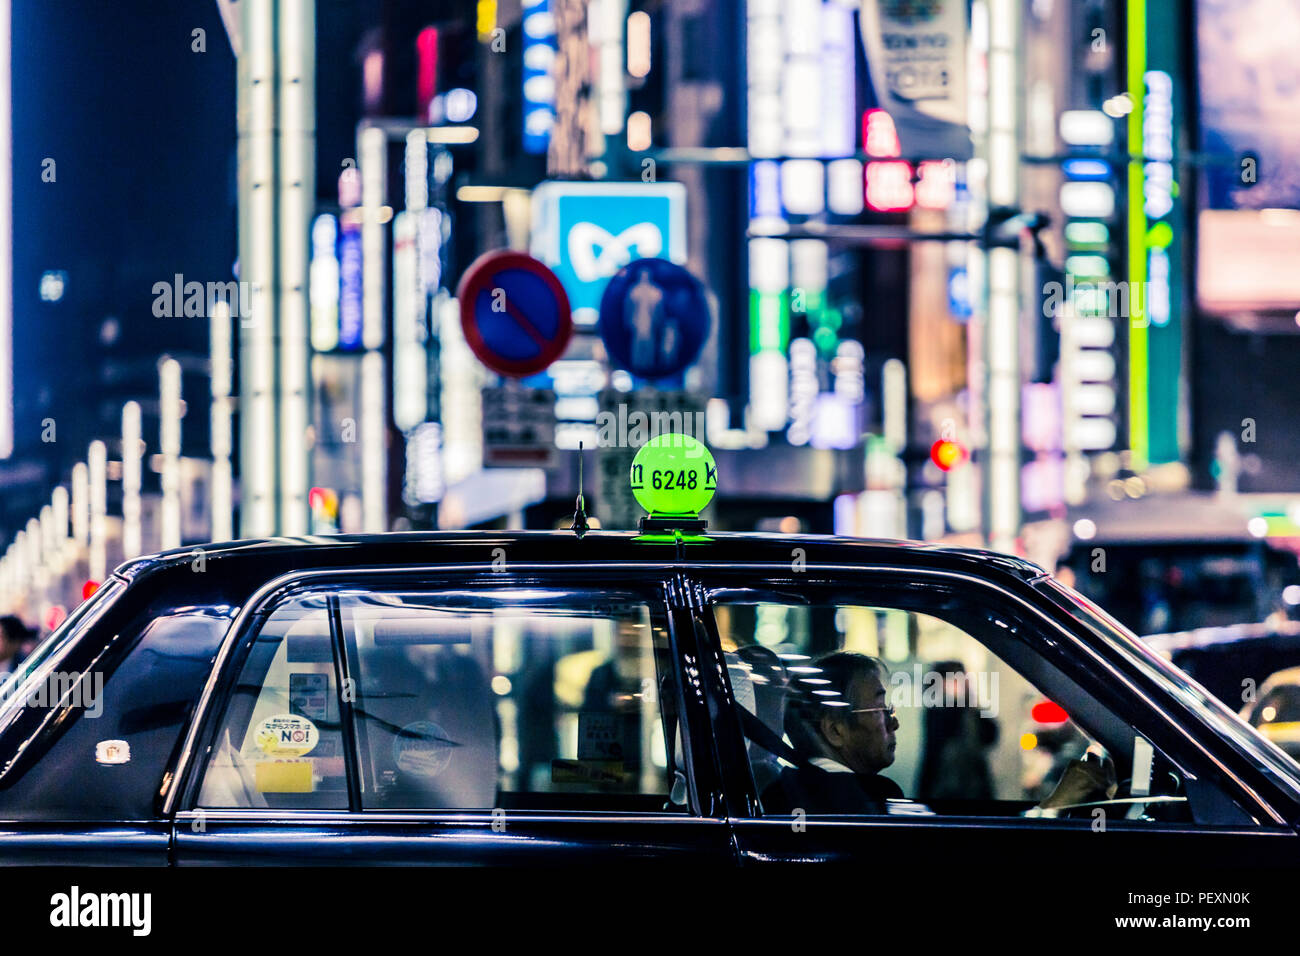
[1009, 273]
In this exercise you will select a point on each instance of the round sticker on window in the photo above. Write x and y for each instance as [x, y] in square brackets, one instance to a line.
[422, 749]
[286, 735]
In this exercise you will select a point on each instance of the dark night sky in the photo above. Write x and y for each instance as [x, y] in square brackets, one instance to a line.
[142, 131]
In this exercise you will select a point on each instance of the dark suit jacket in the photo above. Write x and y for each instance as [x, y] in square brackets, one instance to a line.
[819, 791]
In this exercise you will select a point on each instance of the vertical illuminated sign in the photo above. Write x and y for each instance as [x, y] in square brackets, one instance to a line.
[410, 364]
[6, 244]
[324, 284]
[539, 84]
[800, 89]
[350, 294]
[1154, 225]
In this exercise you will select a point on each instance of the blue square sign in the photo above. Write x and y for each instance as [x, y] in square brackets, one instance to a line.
[588, 231]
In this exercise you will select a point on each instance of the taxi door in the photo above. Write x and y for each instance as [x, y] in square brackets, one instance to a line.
[970, 703]
[535, 714]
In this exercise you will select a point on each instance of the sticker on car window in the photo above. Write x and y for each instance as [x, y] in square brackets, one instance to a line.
[286, 735]
[112, 752]
[283, 776]
[308, 694]
[422, 749]
[600, 736]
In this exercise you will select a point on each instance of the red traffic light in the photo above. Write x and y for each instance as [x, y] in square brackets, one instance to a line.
[947, 454]
[1046, 712]
[89, 588]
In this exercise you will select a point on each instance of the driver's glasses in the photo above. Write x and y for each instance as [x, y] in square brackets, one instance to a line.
[887, 711]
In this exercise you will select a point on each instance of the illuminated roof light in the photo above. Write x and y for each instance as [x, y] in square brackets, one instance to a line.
[673, 474]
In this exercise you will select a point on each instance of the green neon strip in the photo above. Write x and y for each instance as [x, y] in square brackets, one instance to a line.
[1138, 359]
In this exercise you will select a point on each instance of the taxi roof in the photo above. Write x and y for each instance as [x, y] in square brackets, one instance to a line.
[272, 557]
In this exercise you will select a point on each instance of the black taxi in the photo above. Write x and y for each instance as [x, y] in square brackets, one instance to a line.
[554, 697]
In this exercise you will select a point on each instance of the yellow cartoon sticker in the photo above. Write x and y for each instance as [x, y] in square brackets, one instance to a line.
[286, 735]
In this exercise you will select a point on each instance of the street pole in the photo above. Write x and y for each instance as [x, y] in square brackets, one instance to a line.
[221, 426]
[97, 465]
[169, 443]
[372, 151]
[258, 184]
[132, 440]
[296, 193]
[1001, 332]
[277, 187]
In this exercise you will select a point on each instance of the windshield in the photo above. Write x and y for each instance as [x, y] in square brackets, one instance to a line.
[1281, 769]
[1154, 589]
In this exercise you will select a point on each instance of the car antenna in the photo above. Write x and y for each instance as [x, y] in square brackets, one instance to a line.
[579, 526]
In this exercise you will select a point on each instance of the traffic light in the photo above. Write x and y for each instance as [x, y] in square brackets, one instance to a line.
[947, 454]
[1047, 712]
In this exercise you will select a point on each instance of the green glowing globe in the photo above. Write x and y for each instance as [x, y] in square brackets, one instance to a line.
[674, 475]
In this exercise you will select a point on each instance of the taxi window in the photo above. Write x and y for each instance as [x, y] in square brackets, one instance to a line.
[280, 744]
[861, 708]
[124, 726]
[512, 698]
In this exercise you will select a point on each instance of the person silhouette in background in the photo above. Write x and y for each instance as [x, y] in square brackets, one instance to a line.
[954, 762]
[15, 639]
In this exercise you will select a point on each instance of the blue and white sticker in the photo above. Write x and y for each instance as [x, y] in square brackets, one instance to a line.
[422, 749]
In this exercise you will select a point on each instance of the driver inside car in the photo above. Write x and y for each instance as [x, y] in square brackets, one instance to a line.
[843, 732]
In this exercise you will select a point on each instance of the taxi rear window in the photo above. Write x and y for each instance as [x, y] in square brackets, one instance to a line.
[500, 697]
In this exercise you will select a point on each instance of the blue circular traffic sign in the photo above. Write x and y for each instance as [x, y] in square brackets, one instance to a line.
[514, 313]
[654, 318]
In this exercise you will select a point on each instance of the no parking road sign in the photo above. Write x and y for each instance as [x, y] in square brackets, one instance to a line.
[514, 312]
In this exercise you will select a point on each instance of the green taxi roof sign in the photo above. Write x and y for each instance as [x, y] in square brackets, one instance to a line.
[673, 475]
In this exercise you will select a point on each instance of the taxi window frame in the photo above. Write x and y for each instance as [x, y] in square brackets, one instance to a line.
[659, 584]
[773, 578]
